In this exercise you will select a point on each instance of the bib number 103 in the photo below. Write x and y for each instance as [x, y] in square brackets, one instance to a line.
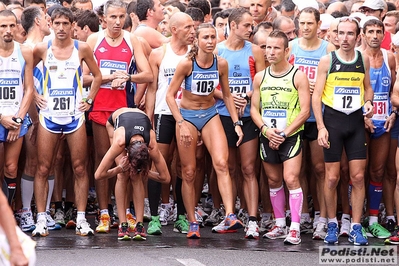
[205, 86]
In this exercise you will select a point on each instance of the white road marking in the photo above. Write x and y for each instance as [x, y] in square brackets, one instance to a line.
[190, 262]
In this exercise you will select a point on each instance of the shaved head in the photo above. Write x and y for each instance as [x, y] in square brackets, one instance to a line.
[178, 18]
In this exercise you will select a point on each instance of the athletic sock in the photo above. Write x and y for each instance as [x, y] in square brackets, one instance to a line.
[391, 217]
[323, 220]
[277, 198]
[333, 220]
[252, 218]
[373, 219]
[181, 210]
[375, 196]
[80, 216]
[104, 211]
[346, 217]
[50, 191]
[154, 193]
[27, 187]
[11, 187]
[296, 201]
[41, 216]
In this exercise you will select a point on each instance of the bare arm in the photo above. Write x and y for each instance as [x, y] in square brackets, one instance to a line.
[145, 74]
[154, 38]
[28, 82]
[104, 170]
[368, 90]
[154, 61]
[163, 175]
[255, 101]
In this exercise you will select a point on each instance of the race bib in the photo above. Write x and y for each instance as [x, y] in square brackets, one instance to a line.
[308, 66]
[204, 83]
[8, 92]
[275, 118]
[381, 105]
[108, 67]
[347, 99]
[61, 102]
[239, 85]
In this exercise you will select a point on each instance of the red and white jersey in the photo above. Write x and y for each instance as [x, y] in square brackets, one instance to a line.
[109, 60]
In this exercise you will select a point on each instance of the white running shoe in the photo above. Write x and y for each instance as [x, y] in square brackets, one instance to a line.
[51, 225]
[252, 231]
[266, 223]
[320, 231]
[199, 219]
[26, 221]
[345, 227]
[293, 237]
[147, 211]
[276, 232]
[41, 228]
[83, 228]
[164, 213]
[243, 216]
[201, 212]
[59, 217]
[217, 215]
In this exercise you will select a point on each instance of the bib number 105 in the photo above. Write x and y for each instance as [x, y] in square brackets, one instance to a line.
[7, 93]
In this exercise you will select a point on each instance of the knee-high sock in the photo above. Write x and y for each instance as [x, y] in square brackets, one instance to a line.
[296, 201]
[181, 210]
[277, 198]
[11, 187]
[50, 191]
[375, 195]
[26, 191]
[154, 194]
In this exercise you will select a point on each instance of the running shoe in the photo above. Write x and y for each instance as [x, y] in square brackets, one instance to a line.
[276, 232]
[320, 231]
[181, 225]
[345, 227]
[147, 211]
[59, 217]
[217, 215]
[173, 214]
[201, 212]
[17, 216]
[232, 222]
[378, 231]
[293, 237]
[83, 228]
[154, 227]
[70, 218]
[199, 219]
[164, 213]
[40, 228]
[252, 231]
[123, 232]
[306, 227]
[139, 232]
[332, 234]
[131, 221]
[265, 224]
[51, 225]
[358, 236]
[193, 232]
[243, 216]
[26, 221]
[208, 204]
[390, 225]
[114, 221]
[103, 224]
[394, 239]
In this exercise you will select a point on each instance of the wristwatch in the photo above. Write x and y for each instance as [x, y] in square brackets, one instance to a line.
[283, 134]
[17, 120]
[245, 96]
[238, 123]
[89, 101]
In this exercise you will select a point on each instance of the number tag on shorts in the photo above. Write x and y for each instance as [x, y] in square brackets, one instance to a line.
[275, 118]
[381, 104]
[347, 99]
[62, 102]
[8, 93]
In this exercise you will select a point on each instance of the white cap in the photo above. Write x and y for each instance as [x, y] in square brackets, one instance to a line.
[364, 20]
[374, 4]
[395, 39]
[358, 15]
[326, 20]
[301, 4]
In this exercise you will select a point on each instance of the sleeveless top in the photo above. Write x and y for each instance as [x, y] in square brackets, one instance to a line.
[109, 60]
[135, 124]
[62, 87]
[279, 99]
[380, 79]
[307, 61]
[344, 89]
[12, 70]
[202, 81]
[166, 72]
[241, 73]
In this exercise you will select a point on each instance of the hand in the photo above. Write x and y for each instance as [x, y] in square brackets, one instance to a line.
[84, 106]
[13, 134]
[40, 101]
[368, 109]
[311, 87]
[170, 10]
[322, 138]
[17, 258]
[118, 83]
[240, 134]
[369, 125]
[121, 75]
[390, 122]
[274, 138]
[124, 164]
[239, 102]
[185, 135]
